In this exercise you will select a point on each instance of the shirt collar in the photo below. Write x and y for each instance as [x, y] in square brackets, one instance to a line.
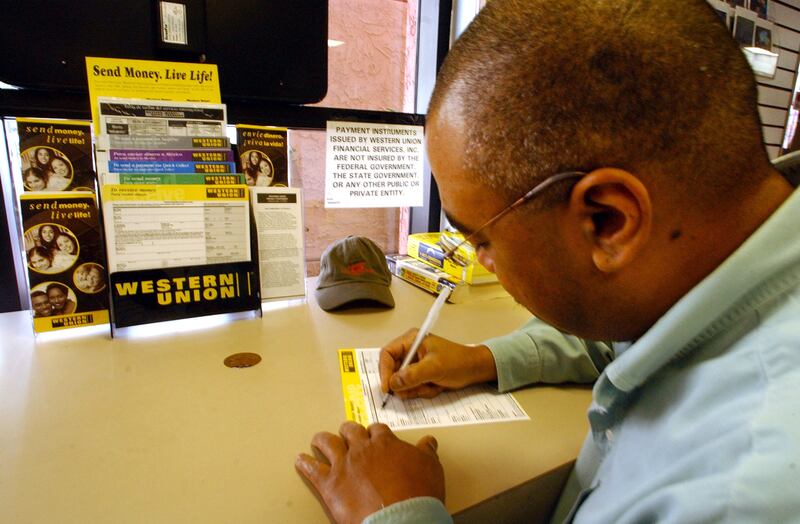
[763, 260]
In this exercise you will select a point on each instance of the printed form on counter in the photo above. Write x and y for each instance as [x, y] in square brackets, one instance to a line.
[361, 386]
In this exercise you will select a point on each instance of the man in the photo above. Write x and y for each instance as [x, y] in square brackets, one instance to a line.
[678, 236]
[41, 304]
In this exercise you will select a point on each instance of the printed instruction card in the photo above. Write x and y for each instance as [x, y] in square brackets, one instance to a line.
[278, 214]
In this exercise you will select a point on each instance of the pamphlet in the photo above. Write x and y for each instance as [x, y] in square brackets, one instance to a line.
[56, 155]
[278, 215]
[175, 225]
[172, 178]
[66, 267]
[119, 116]
[171, 155]
[127, 166]
[148, 79]
[431, 279]
[127, 142]
[263, 155]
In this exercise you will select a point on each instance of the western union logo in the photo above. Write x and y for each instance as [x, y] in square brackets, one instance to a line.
[348, 362]
[183, 290]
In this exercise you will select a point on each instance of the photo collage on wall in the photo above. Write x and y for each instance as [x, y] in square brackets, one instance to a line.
[748, 21]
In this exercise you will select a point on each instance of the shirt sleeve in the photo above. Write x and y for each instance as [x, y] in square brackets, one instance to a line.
[538, 352]
[419, 510]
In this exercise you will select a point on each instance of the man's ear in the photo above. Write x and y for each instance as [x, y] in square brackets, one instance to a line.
[613, 210]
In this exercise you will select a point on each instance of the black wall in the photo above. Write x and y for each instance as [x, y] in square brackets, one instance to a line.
[9, 295]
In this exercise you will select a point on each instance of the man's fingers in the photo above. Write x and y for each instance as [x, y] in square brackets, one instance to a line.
[423, 391]
[331, 446]
[392, 354]
[312, 469]
[378, 430]
[414, 375]
[398, 347]
[429, 445]
[387, 365]
[353, 433]
[429, 390]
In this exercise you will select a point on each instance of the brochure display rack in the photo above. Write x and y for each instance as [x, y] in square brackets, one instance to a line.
[176, 213]
[168, 222]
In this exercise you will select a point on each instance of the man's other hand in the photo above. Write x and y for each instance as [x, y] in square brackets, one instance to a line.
[360, 471]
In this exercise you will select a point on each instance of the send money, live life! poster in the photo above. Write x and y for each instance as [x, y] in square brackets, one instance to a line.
[64, 255]
[56, 155]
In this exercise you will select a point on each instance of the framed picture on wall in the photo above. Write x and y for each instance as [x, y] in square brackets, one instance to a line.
[723, 10]
[763, 35]
[760, 7]
[744, 26]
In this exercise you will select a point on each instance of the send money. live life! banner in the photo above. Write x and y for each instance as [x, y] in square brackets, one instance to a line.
[146, 79]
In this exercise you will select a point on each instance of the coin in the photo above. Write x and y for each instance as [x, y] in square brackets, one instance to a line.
[242, 360]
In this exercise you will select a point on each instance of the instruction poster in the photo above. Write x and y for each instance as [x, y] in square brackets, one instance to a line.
[373, 165]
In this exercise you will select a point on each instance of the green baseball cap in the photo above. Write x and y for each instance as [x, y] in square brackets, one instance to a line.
[353, 268]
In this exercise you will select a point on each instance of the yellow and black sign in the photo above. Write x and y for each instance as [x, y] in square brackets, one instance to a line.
[157, 295]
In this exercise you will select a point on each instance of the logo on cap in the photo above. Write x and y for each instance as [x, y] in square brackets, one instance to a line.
[359, 268]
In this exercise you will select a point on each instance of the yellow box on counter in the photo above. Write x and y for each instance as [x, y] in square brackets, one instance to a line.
[431, 279]
[430, 248]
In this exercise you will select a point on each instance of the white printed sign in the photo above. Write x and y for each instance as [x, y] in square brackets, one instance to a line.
[373, 165]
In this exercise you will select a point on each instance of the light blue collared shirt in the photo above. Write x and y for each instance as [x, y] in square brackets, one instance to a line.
[699, 420]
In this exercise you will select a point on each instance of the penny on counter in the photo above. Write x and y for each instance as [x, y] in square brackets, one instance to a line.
[242, 360]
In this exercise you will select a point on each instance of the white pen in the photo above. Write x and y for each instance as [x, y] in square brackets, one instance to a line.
[433, 314]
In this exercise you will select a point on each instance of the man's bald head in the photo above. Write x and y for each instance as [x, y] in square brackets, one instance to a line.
[655, 87]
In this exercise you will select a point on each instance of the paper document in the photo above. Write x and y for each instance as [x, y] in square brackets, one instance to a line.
[281, 253]
[141, 118]
[150, 227]
[361, 386]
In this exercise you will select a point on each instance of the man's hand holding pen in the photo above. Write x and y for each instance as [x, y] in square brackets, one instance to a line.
[440, 365]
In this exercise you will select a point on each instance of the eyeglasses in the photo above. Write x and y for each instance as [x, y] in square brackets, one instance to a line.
[544, 184]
